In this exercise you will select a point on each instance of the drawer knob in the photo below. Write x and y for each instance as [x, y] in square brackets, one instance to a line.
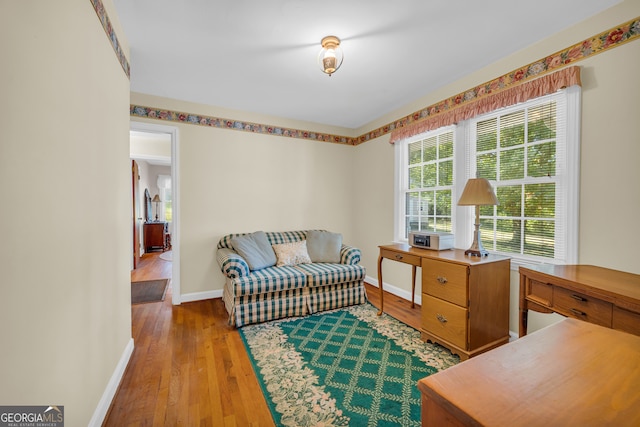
[578, 312]
[399, 257]
[578, 297]
[441, 318]
[442, 280]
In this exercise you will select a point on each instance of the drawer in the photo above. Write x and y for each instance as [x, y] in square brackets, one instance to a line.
[583, 307]
[626, 320]
[400, 257]
[445, 280]
[541, 293]
[445, 320]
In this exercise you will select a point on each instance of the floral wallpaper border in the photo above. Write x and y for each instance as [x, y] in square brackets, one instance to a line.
[597, 44]
[217, 122]
[606, 40]
[111, 34]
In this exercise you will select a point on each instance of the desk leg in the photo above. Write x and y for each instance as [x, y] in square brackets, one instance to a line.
[524, 317]
[413, 286]
[380, 258]
[524, 309]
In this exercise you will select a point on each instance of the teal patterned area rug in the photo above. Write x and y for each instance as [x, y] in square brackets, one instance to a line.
[346, 367]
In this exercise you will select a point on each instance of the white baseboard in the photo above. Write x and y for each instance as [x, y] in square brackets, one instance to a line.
[199, 296]
[396, 291]
[107, 397]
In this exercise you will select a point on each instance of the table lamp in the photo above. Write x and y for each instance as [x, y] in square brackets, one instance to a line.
[477, 192]
[156, 200]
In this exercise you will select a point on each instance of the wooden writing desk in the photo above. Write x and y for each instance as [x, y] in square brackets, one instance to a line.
[597, 295]
[572, 373]
[465, 299]
[401, 253]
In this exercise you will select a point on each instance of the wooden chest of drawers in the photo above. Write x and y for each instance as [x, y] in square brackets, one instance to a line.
[597, 295]
[155, 236]
[465, 301]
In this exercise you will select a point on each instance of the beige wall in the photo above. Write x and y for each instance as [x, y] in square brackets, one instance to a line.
[232, 181]
[66, 207]
[610, 149]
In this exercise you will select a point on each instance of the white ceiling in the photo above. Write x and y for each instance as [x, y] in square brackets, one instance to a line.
[261, 56]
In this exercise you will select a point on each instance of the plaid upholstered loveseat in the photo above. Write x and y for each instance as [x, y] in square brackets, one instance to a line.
[253, 296]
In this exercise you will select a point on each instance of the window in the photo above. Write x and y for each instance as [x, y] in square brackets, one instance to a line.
[517, 150]
[428, 183]
[529, 152]
[164, 186]
[166, 201]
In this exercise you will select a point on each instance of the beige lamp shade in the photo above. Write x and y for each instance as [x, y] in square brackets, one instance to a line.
[478, 192]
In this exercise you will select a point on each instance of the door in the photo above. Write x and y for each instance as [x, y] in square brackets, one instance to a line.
[137, 217]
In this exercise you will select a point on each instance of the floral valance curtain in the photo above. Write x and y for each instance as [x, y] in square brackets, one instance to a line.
[491, 101]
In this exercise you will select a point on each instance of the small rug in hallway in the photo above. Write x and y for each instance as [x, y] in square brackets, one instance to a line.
[346, 367]
[148, 291]
[166, 256]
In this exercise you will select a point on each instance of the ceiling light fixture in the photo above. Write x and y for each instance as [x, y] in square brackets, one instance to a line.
[330, 57]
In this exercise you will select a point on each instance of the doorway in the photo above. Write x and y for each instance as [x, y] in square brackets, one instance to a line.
[155, 147]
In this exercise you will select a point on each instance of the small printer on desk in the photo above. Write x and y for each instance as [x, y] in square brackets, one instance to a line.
[431, 240]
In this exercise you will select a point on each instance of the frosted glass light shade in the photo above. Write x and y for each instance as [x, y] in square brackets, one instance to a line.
[330, 57]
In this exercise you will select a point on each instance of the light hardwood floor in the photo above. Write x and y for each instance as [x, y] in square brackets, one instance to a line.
[190, 368]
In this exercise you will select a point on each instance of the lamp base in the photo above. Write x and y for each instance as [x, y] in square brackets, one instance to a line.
[474, 252]
[476, 248]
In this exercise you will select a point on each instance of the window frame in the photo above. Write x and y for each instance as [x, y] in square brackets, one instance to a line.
[402, 179]
[569, 99]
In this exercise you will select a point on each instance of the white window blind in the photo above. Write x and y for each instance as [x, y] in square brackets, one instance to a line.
[523, 151]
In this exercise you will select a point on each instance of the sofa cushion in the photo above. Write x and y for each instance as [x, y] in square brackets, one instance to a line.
[349, 255]
[270, 279]
[321, 274]
[292, 253]
[255, 249]
[277, 237]
[231, 263]
[324, 246]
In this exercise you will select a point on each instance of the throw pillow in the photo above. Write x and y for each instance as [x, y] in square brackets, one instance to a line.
[291, 253]
[255, 249]
[324, 246]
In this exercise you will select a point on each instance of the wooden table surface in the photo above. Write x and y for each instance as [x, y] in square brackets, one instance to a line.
[572, 373]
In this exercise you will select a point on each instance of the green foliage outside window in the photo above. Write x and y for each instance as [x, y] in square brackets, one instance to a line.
[430, 170]
[168, 212]
[517, 151]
